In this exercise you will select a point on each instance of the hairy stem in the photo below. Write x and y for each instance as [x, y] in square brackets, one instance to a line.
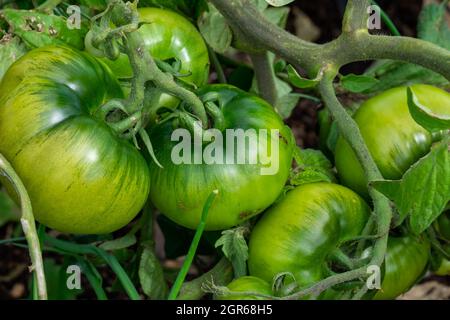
[245, 17]
[265, 76]
[29, 227]
[221, 274]
[355, 16]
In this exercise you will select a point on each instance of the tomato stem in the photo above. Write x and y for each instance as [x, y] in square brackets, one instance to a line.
[265, 76]
[193, 248]
[222, 273]
[29, 227]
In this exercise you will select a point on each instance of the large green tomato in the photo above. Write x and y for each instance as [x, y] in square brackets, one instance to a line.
[442, 226]
[299, 233]
[249, 284]
[406, 260]
[180, 189]
[81, 177]
[167, 36]
[394, 139]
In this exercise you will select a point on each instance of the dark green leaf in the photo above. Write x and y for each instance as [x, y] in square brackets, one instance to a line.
[277, 16]
[151, 274]
[38, 29]
[433, 25]
[215, 30]
[428, 119]
[279, 3]
[300, 82]
[286, 104]
[312, 166]
[56, 277]
[358, 83]
[121, 243]
[234, 247]
[424, 191]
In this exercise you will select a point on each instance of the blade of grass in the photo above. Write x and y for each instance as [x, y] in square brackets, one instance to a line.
[193, 248]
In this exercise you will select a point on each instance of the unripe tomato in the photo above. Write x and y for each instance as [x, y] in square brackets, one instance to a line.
[81, 177]
[249, 284]
[393, 138]
[168, 35]
[179, 190]
[406, 260]
[299, 233]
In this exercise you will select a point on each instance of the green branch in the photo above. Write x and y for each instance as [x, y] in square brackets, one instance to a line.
[265, 76]
[29, 227]
[355, 16]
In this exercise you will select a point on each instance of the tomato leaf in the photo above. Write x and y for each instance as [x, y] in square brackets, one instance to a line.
[358, 83]
[424, 116]
[38, 29]
[286, 104]
[11, 49]
[277, 16]
[424, 191]
[120, 243]
[279, 3]
[234, 247]
[151, 274]
[312, 166]
[298, 81]
[433, 25]
[56, 277]
[215, 29]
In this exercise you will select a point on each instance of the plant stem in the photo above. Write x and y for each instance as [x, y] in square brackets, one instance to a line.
[265, 76]
[217, 66]
[245, 17]
[355, 16]
[221, 273]
[348, 48]
[29, 227]
[193, 248]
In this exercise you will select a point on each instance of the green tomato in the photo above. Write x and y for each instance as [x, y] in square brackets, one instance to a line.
[249, 284]
[168, 35]
[406, 260]
[179, 190]
[393, 138]
[441, 264]
[299, 233]
[81, 177]
[444, 265]
[443, 225]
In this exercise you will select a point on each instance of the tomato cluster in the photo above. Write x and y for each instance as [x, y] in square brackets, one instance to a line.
[85, 178]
